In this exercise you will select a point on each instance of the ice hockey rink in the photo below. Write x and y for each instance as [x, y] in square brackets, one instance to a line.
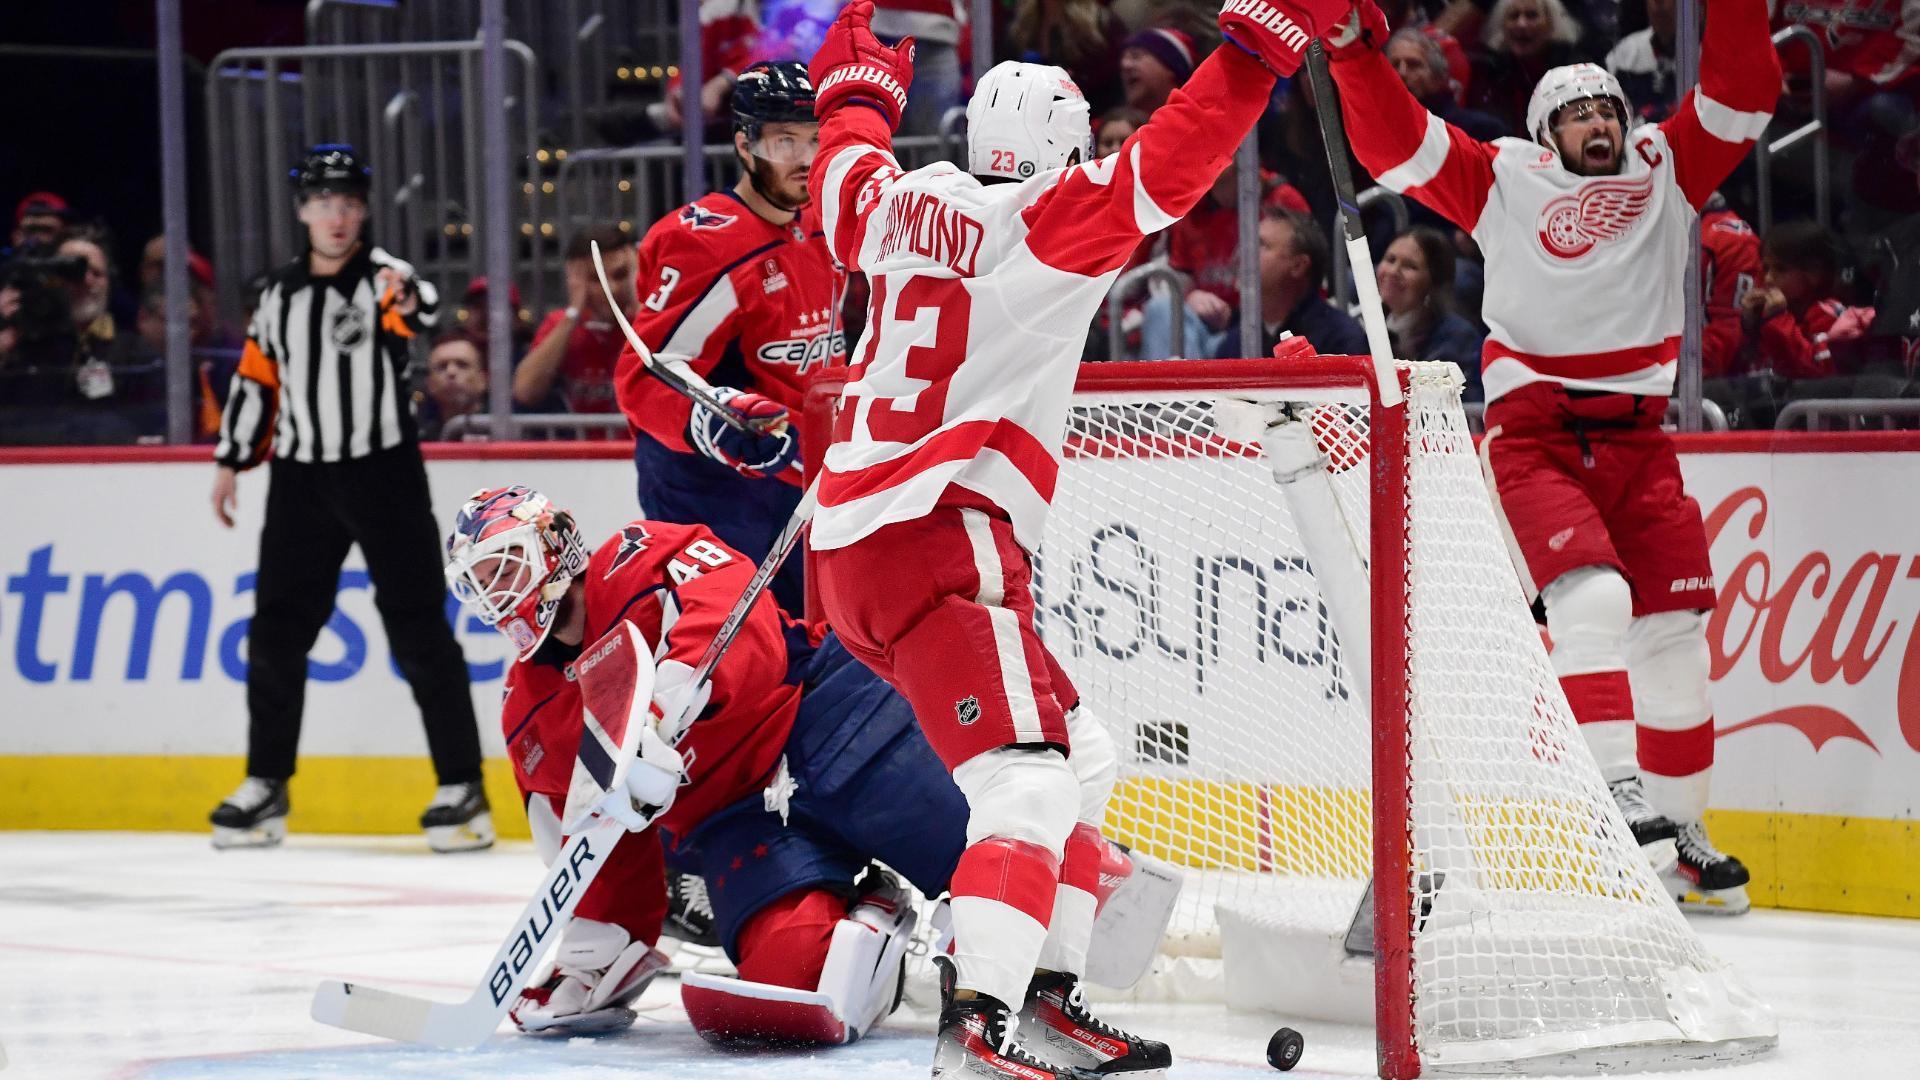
[152, 956]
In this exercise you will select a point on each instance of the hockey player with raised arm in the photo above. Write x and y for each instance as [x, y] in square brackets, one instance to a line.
[942, 462]
[777, 782]
[1585, 225]
[736, 288]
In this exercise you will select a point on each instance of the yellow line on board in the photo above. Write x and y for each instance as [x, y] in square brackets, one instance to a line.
[1811, 862]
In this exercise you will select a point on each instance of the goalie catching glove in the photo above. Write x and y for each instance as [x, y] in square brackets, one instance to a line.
[852, 65]
[598, 970]
[764, 450]
[1277, 32]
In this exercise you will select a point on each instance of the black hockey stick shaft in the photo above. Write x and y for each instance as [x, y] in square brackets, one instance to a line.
[1333, 132]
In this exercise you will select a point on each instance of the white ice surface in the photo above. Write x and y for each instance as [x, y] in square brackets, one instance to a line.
[152, 956]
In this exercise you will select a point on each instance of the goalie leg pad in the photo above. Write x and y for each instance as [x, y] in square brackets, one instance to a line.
[859, 985]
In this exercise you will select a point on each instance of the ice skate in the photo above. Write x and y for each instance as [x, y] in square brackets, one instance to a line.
[1651, 830]
[255, 815]
[1706, 880]
[979, 1040]
[457, 819]
[1058, 1023]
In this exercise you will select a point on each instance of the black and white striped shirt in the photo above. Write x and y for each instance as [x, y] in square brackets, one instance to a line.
[322, 374]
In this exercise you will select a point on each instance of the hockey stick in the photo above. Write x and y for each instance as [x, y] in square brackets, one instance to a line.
[1333, 133]
[698, 392]
[405, 1018]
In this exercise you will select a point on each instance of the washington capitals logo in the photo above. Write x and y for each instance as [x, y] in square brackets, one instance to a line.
[633, 541]
[695, 216]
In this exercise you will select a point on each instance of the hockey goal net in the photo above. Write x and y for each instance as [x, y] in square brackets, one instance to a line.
[1203, 579]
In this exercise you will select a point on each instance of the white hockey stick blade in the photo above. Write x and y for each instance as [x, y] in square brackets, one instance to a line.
[1126, 936]
[701, 394]
[469, 1023]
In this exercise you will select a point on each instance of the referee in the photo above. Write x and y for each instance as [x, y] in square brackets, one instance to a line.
[320, 389]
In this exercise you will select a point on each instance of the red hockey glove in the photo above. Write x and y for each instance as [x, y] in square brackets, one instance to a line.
[1277, 32]
[1364, 30]
[852, 65]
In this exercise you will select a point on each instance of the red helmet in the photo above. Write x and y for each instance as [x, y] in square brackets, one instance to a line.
[510, 558]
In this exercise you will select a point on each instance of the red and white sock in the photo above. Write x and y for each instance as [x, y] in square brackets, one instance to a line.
[1003, 899]
[1075, 902]
[1668, 656]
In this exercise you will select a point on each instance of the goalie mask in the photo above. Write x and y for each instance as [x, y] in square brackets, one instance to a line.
[510, 558]
[1563, 86]
[1025, 119]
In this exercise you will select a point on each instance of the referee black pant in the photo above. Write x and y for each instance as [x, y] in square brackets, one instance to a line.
[315, 513]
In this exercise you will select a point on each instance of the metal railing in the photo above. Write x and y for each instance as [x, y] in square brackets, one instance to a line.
[1850, 414]
[413, 108]
[1137, 280]
[1342, 275]
[576, 425]
[1816, 129]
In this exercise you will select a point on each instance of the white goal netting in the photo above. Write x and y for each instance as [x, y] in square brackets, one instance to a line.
[1178, 589]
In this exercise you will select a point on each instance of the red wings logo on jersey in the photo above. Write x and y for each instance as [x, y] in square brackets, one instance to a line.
[1602, 211]
[695, 216]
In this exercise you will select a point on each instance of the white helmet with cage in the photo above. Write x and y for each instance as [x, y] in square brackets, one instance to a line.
[1025, 119]
[1563, 86]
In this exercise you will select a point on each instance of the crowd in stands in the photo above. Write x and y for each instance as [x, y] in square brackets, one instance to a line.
[1803, 311]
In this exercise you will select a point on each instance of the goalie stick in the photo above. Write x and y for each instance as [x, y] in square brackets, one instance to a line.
[686, 383]
[466, 1024]
[1326, 107]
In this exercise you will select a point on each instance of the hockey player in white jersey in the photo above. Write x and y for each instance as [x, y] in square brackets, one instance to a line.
[1585, 225]
[942, 463]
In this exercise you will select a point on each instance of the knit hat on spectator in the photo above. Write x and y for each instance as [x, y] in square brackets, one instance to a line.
[40, 204]
[1173, 48]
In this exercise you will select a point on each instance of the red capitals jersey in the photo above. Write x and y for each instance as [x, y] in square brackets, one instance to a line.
[982, 295]
[587, 368]
[742, 301]
[1205, 245]
[1583, 272]
[1729, 266]
[676, 583]
[1875, 40]
[1794, 343]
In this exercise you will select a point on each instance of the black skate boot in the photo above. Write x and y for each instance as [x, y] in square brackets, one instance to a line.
[1707, 880]
[1059, 1025]
[1651, 830]
[977, 1040]
[255, 815]
[458, 819]
[690, 912]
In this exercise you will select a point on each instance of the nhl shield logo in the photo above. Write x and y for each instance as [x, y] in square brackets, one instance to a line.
[967, 710]
[348, 328]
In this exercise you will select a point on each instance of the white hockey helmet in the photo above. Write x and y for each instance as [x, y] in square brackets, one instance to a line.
[1025, 119]
[1565, 85]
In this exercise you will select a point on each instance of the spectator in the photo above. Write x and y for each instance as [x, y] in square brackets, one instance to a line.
[472, 314]
[1293, 269]
[39, 220]
[935, 26]
[1416, 290]
[576, 349]
[1795, 318]
[1643, 62]
[1524, 39]
[1113, 128]
[456, 382]
[1083, 36]
[1153, 63]
[1892, 346]
[1203, 246]
[94, 326]
[728, 31]
[1422, 64]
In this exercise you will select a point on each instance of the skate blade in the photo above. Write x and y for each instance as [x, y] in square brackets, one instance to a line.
[475, 835]
[268, 833]
[1694, 900]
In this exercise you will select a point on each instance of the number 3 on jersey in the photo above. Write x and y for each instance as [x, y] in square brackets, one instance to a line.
[657, 301]
[951, 306]
[699, 557]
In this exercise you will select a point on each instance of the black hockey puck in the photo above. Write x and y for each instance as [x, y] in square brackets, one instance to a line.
[1285, 1048]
